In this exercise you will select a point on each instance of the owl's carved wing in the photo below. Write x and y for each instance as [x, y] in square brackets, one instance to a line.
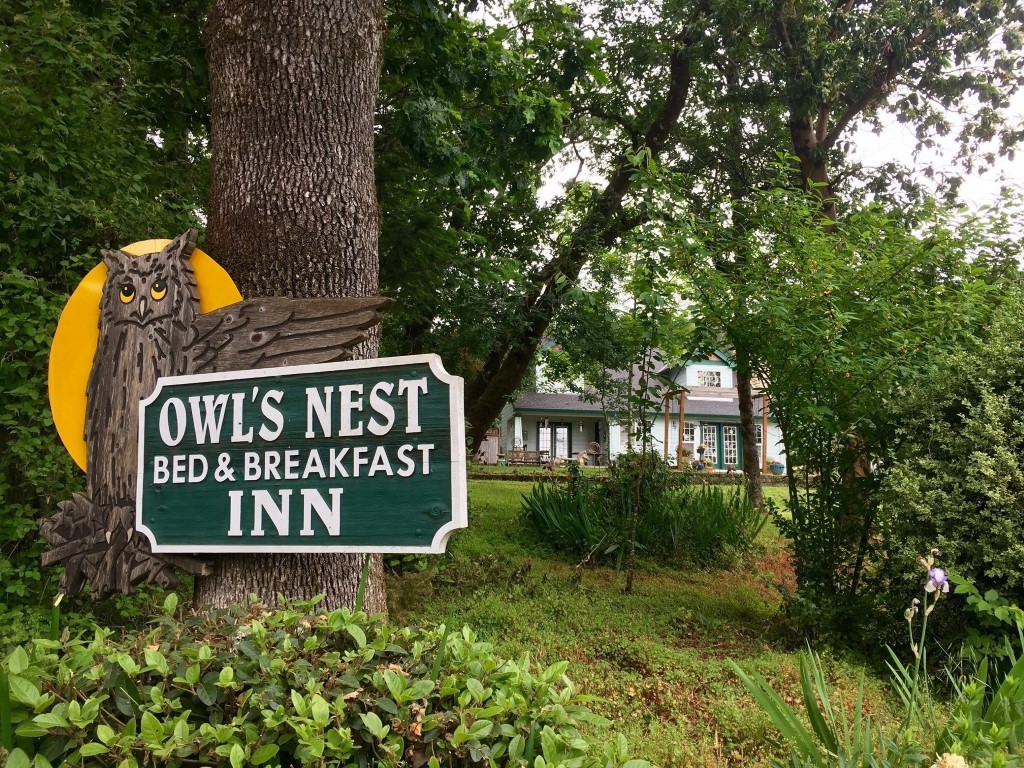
[271, 332]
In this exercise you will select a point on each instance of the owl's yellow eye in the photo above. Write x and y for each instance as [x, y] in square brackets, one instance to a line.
[159, 290]
[127, 293]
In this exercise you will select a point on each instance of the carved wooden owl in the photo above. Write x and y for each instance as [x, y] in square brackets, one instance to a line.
[150, 326]
[147, 322]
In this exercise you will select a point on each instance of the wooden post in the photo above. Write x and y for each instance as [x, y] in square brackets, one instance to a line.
[764, 433]
[664, 443]
[682, 428]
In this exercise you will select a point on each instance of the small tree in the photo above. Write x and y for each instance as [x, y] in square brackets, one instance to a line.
[845, 317]
[618, 358]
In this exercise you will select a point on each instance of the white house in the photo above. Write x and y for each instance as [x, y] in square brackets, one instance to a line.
[561, 424]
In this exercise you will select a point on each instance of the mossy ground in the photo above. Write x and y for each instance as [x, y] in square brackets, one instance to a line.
[658, 658]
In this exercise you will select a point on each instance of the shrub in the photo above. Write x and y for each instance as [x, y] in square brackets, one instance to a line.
[985, 725]
[594, 519]
[959, 480]
[250, 687]
[705, 524]
[718, 523]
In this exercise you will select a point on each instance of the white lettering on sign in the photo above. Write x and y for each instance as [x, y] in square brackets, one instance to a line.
[381, 407]
[286, 455]
[264, 502]
[279, 511]
[319, 408]
[346, 404]
[237, 419]
[413, 387]
[172, 439]
[207, 422]
[273, 415]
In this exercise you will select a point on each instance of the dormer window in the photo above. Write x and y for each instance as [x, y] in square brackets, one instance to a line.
[709, 378]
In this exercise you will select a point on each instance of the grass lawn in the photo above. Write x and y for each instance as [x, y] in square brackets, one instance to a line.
[656, 658]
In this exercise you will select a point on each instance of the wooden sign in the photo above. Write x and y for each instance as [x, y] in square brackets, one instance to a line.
[159, 321]
[363, 456]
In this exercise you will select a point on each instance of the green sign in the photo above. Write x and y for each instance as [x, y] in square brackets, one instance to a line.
[362, 456]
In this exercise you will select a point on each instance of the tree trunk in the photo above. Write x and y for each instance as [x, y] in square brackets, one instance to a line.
[293, 206]
[813, 164]
[748, 435]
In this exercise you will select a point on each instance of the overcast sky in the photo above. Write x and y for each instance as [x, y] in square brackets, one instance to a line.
[898, 142]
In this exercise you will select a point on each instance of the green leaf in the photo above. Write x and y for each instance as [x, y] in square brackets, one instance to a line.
[387, 705]
[207, 693]
[320, 710]
[24, 691]
[515, 748]
[395, 683]
[475, 688]
[105, 733]
[481, 729]
[357, 634]
[299, 703]
[18, 759]
[150, 729]
[89, 750]
[170, 603]
[18, 661]
[263, 754]
[50, 720]
[237, 756]
[373, 724]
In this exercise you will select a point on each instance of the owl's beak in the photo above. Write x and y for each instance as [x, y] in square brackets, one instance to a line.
[143, 306]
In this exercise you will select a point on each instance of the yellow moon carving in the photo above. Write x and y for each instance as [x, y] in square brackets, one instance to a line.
[74, 343]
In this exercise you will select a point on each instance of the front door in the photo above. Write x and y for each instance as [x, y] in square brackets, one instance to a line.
[723, 445]
[553, 439]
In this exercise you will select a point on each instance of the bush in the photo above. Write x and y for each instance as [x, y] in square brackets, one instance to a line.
[593, 519]
[718, 524]
[705, 524]
[959, 479]
[249, 687]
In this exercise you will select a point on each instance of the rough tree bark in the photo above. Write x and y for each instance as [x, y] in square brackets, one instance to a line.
[293, 207]
[748, 435]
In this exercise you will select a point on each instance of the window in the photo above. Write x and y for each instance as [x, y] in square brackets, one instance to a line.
[730, 445]
[709, 378]
[710, 440]
[544, 440]
[759, 432]
[689, 434]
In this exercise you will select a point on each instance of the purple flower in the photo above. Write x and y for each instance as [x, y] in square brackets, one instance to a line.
[937, 581]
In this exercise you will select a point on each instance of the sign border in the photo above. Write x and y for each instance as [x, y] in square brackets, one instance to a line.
[457, 422]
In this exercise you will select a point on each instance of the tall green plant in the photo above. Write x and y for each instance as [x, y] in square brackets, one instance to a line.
[985, 726]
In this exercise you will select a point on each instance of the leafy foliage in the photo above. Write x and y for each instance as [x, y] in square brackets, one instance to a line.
[843, 321]
[101, 144]
[985, 725]
[958, 479]
[250, 687]
[704, 524]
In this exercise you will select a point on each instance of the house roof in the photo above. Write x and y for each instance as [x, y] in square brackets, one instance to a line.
[555, 401]
[700, 401]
